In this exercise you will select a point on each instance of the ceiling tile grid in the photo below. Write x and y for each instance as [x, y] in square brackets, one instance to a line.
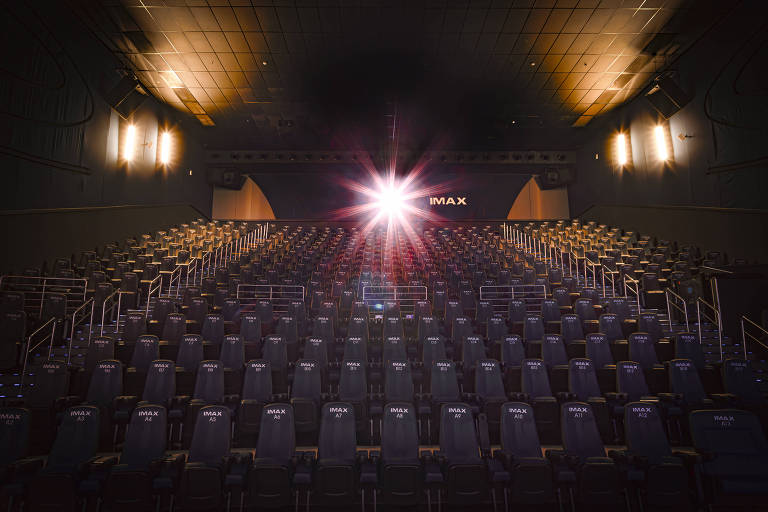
[211, 58]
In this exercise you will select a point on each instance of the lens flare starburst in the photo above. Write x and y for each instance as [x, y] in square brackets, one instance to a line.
[386, 198]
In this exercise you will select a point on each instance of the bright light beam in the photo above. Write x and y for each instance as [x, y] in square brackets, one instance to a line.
[165, 148]
[130, 143]
[661, 143]
[621, 142]
[390, 201]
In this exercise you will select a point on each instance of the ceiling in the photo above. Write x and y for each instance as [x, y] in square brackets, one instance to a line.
[568, 60]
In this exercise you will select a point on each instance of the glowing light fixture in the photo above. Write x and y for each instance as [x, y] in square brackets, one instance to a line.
[130, 143]
[661, 143]
[621, 146]
[390, 200]
[165, 148]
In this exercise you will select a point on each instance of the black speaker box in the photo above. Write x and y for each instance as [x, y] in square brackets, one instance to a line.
[125, 96]
[553, 177]
[667, 97]
[225, 178]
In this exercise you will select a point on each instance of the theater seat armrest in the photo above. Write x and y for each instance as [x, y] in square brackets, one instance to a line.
[280, 397]
[565, 396]
[125, 402]
[598, 460]
[25, 467]
[616, 397]
[555, 456]
[691, 458]
[670, 397]
[497, 472]
[180, 401]
[618, 456]
[723, 398]
[99, 468]
[67, 401]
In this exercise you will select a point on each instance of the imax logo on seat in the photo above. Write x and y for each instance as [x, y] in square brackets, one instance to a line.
[723, 418]
[398, 364]
[80, 412]
[353, 364]
[210, 365]
[9, 416]
[457, 410]
[149, 413]
[577, 409]
[488, 364]
[515, 410]
[259, 366]
[398, 410]
[641, 410]
[456, 201]
[534, 364]
[164, 366]
[49, 366]
[307, 365]
[583, 364]
[212, 413]
[275, 411]
[337, 410]
[442, 364]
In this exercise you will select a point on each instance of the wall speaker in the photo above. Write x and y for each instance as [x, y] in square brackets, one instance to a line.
[125, 97]
[225, 178]
[553, 177]
[667, 97]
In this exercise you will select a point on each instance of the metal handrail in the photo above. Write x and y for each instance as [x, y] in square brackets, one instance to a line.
[612, 278]
[715, 320]
[744, 334]
[119, 294]
[672, 304]
[76, 322]
[716, 269]
[628, 281]
[150, 290]
[30, 348]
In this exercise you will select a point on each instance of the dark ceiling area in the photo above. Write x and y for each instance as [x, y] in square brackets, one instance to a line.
[313, 73]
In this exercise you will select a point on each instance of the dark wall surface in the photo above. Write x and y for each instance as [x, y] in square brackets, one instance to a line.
[58, 136]
[719, 155]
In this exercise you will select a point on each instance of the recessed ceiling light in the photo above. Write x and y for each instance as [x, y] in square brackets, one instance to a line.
[263, 63]
[533, 64]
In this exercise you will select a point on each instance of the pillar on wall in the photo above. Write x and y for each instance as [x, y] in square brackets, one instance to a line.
[248, 203]
[533, 203]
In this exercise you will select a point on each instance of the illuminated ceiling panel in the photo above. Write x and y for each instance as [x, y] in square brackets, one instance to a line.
[578, 58]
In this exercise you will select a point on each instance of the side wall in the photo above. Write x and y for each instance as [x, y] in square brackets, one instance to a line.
[60, 144]
[717, 147]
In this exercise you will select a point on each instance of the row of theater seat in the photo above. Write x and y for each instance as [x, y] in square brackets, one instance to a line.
[727, 462]
[246, 387]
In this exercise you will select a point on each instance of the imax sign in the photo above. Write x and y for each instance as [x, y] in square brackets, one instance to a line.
[455, 201]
